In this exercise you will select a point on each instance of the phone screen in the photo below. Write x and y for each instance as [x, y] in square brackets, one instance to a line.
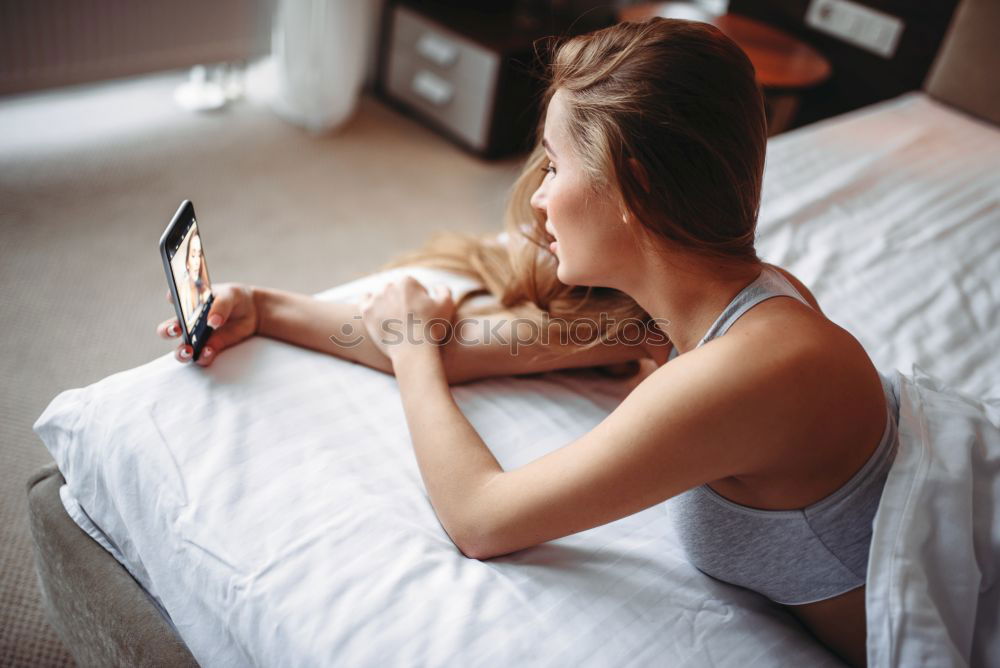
[190, 271]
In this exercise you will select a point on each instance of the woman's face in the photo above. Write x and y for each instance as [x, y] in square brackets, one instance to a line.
[194, 256]
[593, 244]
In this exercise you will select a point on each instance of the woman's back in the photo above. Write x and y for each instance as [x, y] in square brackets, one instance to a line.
[798, 529]
[793, 554]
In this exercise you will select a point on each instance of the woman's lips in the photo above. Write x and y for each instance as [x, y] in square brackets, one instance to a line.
[553, 245]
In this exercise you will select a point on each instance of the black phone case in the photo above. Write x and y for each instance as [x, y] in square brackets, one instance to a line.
[199, 334]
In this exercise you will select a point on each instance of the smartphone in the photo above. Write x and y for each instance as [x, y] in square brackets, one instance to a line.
[187, 275]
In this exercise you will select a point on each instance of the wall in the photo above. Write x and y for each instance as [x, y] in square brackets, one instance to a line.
[45, 43]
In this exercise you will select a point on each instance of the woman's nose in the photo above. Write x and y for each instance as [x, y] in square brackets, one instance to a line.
[537, 200]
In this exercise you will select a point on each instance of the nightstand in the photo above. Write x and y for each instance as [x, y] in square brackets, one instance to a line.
[785, 66]
[470, 70]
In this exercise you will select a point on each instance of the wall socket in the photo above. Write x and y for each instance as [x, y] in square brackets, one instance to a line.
[856, 24]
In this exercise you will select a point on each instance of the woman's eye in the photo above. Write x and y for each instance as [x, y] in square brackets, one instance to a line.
[549, 169]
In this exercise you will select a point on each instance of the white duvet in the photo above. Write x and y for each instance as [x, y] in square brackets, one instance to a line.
[272, 506]
[933, 586]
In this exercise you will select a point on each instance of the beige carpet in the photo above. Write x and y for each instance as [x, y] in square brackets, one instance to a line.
[90, 176]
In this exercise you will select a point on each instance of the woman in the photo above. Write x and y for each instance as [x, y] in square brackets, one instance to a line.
[194, 288]
[769, 430]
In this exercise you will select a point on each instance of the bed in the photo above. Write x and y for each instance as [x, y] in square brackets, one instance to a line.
[277, 517]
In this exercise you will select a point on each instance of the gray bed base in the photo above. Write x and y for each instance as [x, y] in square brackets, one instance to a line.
[99, 611]
[106, 619]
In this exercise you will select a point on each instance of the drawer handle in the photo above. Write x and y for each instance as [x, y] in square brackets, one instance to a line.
[437, 50]
[432, 88]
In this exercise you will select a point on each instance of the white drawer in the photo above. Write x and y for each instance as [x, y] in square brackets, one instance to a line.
[442, 75]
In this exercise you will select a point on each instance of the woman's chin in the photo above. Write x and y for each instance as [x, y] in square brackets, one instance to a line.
[561, 274]
[567, 277]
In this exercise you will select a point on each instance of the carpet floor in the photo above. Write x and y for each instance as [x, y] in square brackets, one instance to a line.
[89, 177]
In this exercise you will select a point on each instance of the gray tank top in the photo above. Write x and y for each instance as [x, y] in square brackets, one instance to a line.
[791, 556]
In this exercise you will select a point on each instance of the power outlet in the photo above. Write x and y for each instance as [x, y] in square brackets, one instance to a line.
[856, 24]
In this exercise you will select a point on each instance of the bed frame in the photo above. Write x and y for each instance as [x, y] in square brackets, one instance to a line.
[99, 611]
[105, 618]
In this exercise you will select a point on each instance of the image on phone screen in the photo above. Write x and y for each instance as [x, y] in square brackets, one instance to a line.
[191, 275]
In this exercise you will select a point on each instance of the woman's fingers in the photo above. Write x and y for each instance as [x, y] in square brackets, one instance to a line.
[183, 353]
[220, 340]
[217, 342]
[169, 329]
[228, 324]
[222, 306]
[208, 354]
[206, 357]
[443, 293]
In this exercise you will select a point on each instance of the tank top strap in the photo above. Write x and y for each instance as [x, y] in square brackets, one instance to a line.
[770, 283]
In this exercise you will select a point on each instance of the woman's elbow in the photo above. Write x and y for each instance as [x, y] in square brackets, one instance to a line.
[481, 545]
[475, 553]
[481, 551]
[475, 540]
[473, 544]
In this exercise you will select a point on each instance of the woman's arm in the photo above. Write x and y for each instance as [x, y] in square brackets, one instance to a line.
[499, 344]
[334, 328]
[664, 438]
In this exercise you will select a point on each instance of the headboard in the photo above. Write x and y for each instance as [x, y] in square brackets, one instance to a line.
[966, 71]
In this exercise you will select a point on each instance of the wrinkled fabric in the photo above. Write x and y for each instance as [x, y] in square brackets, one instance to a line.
[933, 597]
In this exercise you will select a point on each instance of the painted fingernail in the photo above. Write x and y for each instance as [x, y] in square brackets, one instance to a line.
[214, 321]
[185, 353]
[172, 330]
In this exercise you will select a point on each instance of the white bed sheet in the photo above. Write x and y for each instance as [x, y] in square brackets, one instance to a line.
[279, 517]
[891, 216]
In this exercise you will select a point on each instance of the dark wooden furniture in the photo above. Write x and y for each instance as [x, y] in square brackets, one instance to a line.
[860, 77]
[785, 65]
[473, 71]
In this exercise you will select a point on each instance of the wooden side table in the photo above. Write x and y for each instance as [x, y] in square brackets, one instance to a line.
[470, 69]
[785, 65]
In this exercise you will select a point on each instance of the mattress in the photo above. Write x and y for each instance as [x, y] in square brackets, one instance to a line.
[272, 507]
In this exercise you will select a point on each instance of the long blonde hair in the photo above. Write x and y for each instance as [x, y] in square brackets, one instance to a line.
[677, 97]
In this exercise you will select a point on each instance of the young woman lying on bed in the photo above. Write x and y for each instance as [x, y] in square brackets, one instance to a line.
[642, 195]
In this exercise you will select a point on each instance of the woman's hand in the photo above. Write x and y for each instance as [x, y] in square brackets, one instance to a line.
[232, 318]
[404, 314]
